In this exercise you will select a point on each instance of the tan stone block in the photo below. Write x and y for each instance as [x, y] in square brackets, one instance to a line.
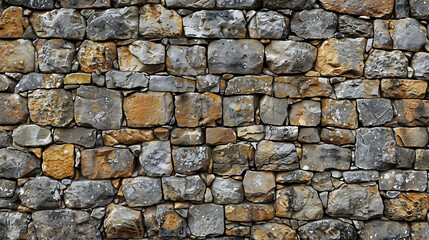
[78, 78]
[220, 135]
[301, 87]
[196, 109]
[407, 206]
[127, 136]
[17, 56]
[268, 231]
[259, 187]
[58, 161]
[403, 88]
[94, 56]
[11, 23]
[249, 212]
[411, 137]
[372, 8]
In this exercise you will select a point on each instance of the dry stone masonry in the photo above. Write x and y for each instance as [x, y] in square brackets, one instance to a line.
[214, 119]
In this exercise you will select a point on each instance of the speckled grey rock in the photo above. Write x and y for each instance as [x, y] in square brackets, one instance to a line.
[17, 164]
[31, 81]
[285, 57]
[305, 113]
[156, 21]
[59, 23]
[206, 219]
[7, 84]
[89, 194]
[183, 60]
[235, 56]
[380, 229]
[271, 25]
[403, 180]
[98, 108]
[326, 156]
[375, 148]
[238, 110]
[55, 55]
[295, 5]
[327, 229]
[402, 8]
[276, 156]
[81, 136]
[208, 83]
[249, 84]
[373, 112]
[127, 80]
[354, 27]
[408, 34]
[273, 110]
[232, 159]
[115, 23]
[227, 191]
[32, 136]
[342, 202]
[148, 52]
[190, 160]
[289, 203]
[189, 188]
[382, 37]
[420, 64]
[215, 24]
[357, 88]
[36, 4]
[314, 24]
[384, 64]
[242, 4]
[165, 213]
[419, 9]
[281, 133]
[13, 225]
[405, 157]
[193, 4]
[142, 191]
[7, 188]
[85, 3]
[360, 176]
[155, 159]
[40, 193]
[66, 224]
[170, 84]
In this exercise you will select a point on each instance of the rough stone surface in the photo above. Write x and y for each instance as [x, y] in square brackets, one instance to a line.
[127, 80]
[247, 212]
[189, 188]
[195, 109]
[259, 186]
[249, 85]
[96, 56]
[142, 191]
[326, 156]
[403, 180]
[357, 88]
[182, 60]
[420, 65]
[171, 84]
[407, 206]
[85, 4]
[305, 113]
[289, 205]
[373, 112]
[148, 109]
[286, 57]
[327, 229]
[339, 113]
[190, 160]
[281, 133]
[123, 222]
[386, 64]
[275, 156]
[227, 191]
[89, 194]
[17, 164]
[270, 24]
[360, 7]
[41, 193]
[37, 4]
[219, 136]
[301, 87]
[273, 110]
[206, 219]
[14, 109]
[58, 161]
[232, 159]
[337, 136]
[323, 24]
[384, 230]
[156, 22]
[155, 159]
[354, 27]
[411, 137]
[81, 136]
[32, 136]
[18, 56]
[238, 110]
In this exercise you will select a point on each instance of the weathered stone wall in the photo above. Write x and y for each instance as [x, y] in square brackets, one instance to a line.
[231, 119]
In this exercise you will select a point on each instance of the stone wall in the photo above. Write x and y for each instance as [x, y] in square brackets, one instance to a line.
[231, 119]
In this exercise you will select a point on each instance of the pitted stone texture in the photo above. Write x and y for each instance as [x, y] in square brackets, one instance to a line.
[215, 24]
[208, 83]
[18, 56]
[407, 206]
[274, 230]
[14, 225]
[189, 188]
[327, 229]
[206, 219]
[286, 57]
[89, 194]
[314, 24]
[337, 136]
[77, 78]
[41, 193]
[276, 156]
[183, 60]
[194, 4]
[360, 176]
[289, 203]
[405, 158]
[343, 202]
[249, 85]
[382, 38]
[190, 160]
[32, 136]
[171, 84]
[341, 57]
[142, 191]
[58, 161]
[419, 9]
[196, 109]
[301, 87]
[80, 136]
[339, 113]
[235, 56]
[51, 107]
[106, 162]
[98, 108]
[13, 108]
[372, 8]
[259, 187]
[375, 148]
[155, 159]
[273, 110]
[115, 23]
[355, 27]
[271, 25]
[148, 109]
[386, 64]
[66, 224]
[227, 191]
[281, 133]
[55, 55]
[17, 164]
[85, 3]
[37, 4]
[96, 56]
[239, 110]
[403, 180]
[326, 156]
[11, 23]
[158, 22]
[419, 230]
[411, 112]
[420, 65]
[247, 212]
[59, 23]
[7, 188]
[142, 56]
[411, 137]
[123, 222]
[127, 80]
[305, 113]
[244, 4]
[127, 136]
[357, 88]
[295, 176]
[373, 112]
[378, 229]
[232, 159]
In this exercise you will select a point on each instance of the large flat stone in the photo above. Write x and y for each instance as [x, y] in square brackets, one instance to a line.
[55, 55]
[155, 159]
[142, 191]
[301, 87]
[89, 194]
[403, 180]
[13, 108]
[386, 64]
[372, 8]
[289, 203]
[189, 188]
[17, 164]
[196, 109]
[190, 160]
[157, 21]
[40, 193]
[323, 24]
[18, 56]
[32, 136]
[232, 159]
[238, 110]
[326, 156]
[276, 156]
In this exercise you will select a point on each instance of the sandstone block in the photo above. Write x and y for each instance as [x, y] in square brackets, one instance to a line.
[123, 222]
[158, 22]
[305, 113]
[94, 56]
[259, 186]
[289, 203]
[220, 135]
[411, 137]
[196, 109]
[14, 109]
[232, 159]
[371, 8]
[58, 161]
[301, 87]
[18, 56]
[249, 212]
